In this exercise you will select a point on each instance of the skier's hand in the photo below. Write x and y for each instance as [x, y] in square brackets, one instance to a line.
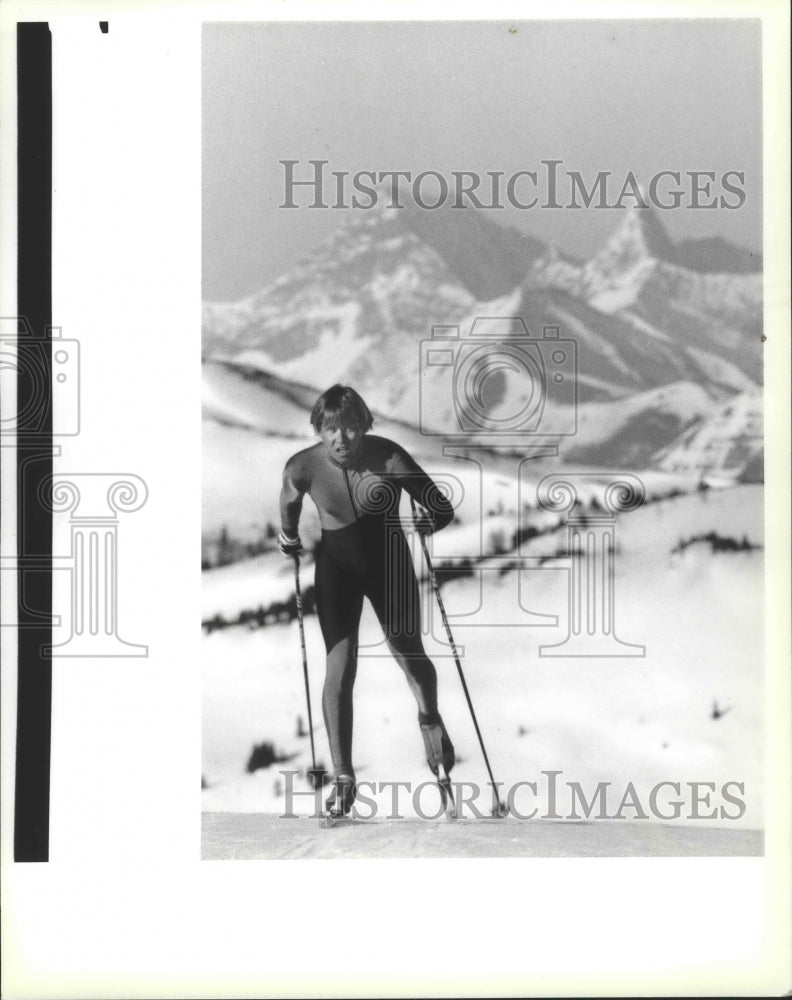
[289, 546]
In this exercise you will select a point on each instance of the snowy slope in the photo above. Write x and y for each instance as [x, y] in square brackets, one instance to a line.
[634, 428]
[257, 836]
[691, 710]
[722, 445]
[254, 421]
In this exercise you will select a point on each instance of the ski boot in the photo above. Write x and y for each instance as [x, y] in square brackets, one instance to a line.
[340, 800]
[440, 757]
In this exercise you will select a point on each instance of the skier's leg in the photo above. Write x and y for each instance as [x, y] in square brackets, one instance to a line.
[392, 588]
[395, 597]
[422, 678]
[419, 671]
[339, 602]
[337, 702]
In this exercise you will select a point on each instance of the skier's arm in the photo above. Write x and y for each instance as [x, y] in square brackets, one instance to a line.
[291, 500]
[423, 489]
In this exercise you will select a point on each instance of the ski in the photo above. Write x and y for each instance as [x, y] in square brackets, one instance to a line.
[328, 821]
[336, 815]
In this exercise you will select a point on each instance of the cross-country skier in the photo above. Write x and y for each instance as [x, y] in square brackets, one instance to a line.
[355, 479]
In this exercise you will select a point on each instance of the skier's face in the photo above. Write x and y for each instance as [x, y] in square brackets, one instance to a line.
[341, 440]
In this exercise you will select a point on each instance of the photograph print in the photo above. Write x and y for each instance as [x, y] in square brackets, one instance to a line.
[483, 451]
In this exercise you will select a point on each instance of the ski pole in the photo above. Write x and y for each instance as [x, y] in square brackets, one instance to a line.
[298, 594]
[498, 808]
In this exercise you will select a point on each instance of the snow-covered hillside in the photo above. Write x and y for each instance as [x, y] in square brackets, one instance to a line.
[253, 422]
[727, 444]
[690, 710]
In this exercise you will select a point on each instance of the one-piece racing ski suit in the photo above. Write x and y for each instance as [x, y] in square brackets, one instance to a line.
[363, 553]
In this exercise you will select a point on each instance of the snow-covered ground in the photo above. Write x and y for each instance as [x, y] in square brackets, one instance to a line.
[258, 836]
[689, 711]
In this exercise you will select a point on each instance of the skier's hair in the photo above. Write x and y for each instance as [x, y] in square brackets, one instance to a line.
[343, 403]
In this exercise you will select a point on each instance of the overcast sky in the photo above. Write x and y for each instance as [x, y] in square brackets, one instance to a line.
[616, 95]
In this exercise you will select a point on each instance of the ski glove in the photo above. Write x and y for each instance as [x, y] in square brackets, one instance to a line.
[289, 546]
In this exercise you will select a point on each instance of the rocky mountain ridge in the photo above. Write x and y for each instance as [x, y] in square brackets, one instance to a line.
[642, 317]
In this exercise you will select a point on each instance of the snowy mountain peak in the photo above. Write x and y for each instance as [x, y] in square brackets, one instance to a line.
[640, 253]
[616, 275]
[641, 232]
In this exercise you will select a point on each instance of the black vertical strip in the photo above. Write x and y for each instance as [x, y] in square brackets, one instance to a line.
[34, 439]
